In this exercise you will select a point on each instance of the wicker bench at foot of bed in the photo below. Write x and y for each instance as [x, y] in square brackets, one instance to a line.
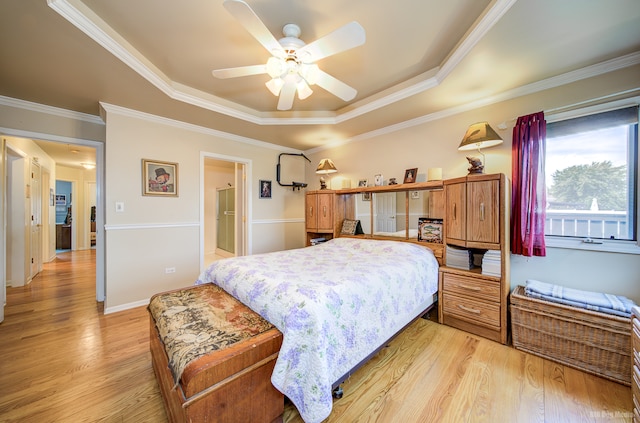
[231, 385]
[594, 342]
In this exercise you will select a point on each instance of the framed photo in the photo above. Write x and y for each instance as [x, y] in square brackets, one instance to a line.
[362, 183]
[415, 195]
[265, 189]
[430, 230]
[159, 178]
[366, 196]
[377, 180]
[61, 200]
[410, 175]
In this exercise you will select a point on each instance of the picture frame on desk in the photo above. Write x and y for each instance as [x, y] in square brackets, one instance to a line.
[410, 175]
[430, 230]
[362, 182]
[378, 180]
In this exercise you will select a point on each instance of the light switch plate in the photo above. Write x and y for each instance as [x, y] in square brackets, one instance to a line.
[119, 207]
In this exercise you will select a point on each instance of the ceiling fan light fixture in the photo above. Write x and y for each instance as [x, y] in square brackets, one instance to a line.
[303, 89]
[275, 86]
[275, 67]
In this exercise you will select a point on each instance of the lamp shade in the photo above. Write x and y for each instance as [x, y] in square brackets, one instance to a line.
[326, 166]
[479, 135]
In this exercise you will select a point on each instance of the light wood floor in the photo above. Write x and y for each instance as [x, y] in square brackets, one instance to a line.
[62, 360]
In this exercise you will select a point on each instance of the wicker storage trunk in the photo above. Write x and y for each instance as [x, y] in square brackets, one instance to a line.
[594, 342]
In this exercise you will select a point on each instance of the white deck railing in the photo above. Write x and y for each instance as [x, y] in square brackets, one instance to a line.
[587, 223]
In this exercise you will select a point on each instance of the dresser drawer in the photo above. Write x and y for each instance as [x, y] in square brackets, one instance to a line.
[635, 336]
[475, 311]
[473, 287]
[635, 386]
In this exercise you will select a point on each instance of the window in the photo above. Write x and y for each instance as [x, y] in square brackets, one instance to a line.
[592, 177]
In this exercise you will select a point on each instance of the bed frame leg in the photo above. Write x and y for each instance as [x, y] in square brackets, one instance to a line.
[338, 392]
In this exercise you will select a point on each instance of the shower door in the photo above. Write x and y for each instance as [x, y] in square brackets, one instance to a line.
[226, 219]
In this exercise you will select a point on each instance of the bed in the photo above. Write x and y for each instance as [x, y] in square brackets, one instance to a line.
[336, 304]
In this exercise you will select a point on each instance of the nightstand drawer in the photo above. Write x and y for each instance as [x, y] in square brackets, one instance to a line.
[475, 311]
[474, 287]
[635, 335]
[635, 385]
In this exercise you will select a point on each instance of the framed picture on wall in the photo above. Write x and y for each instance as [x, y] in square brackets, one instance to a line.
[265, 189]
[159, 178]
[61, 200]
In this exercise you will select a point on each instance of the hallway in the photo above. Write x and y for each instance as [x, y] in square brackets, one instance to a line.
[62, 360]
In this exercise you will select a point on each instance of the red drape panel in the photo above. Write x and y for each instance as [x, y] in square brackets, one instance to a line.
[529, 199]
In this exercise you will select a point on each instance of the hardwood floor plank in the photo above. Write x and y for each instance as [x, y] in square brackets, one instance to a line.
[62, 360]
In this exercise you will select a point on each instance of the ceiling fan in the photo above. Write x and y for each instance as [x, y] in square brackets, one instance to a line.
[292, 66]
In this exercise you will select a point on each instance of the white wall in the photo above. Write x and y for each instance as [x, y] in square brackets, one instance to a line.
[156, 233]
[434, 143]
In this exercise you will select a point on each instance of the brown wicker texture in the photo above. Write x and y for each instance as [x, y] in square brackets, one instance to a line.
[597, 343]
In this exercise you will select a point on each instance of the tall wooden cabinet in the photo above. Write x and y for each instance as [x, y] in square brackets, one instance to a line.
[324, 214]
[477, 221]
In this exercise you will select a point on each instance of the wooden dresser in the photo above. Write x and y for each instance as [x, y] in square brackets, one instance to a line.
[635, 380]
[476, 224]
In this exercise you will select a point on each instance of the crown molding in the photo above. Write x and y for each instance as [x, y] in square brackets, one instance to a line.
[91, 24]
[50, 110]
[123, 111]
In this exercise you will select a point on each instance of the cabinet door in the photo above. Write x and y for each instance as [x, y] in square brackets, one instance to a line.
[325, 211]
[456, 213]
[311, 216]
[482, 212]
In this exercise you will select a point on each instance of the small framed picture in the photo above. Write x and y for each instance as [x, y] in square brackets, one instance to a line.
[159, 178]
[362, 183]
[430, 230]
[377, 180]
[366, 196]
[415, 195]
[410, 175]
[265, 189]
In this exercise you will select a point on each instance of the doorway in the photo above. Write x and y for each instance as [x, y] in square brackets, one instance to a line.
[225, 205]
[38, 199]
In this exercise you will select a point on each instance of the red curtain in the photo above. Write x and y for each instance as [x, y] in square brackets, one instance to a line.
[529, 198]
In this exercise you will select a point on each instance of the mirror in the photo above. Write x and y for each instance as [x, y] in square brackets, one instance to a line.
[363, 211]
[390, 218]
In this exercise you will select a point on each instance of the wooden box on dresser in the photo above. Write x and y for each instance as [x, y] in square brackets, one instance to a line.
[476, 220]
[635, 379]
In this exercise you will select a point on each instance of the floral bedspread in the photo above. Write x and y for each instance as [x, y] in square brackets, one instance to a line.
[335, 303]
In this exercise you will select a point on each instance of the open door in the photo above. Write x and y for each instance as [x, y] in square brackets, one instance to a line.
[3, 222]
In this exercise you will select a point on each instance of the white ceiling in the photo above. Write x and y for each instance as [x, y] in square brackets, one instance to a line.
[421, 58]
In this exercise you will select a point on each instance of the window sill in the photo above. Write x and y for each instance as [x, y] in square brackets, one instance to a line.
[609, 246]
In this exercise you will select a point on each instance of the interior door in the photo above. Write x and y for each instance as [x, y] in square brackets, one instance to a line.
[385, 212]
[3, 230]
[35, 196]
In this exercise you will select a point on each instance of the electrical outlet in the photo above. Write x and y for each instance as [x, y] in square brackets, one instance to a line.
[170, 270]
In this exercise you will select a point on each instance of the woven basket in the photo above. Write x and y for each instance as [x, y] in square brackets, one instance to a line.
[597, 343]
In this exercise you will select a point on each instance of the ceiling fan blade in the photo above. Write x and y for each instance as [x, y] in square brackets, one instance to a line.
[347, 37]
[335, 86]
[240, 71]
[286, 96]
[252, 23]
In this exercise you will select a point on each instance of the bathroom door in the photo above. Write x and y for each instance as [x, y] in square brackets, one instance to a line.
[226, 219]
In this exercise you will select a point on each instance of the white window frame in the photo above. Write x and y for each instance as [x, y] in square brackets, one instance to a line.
[604, 245]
